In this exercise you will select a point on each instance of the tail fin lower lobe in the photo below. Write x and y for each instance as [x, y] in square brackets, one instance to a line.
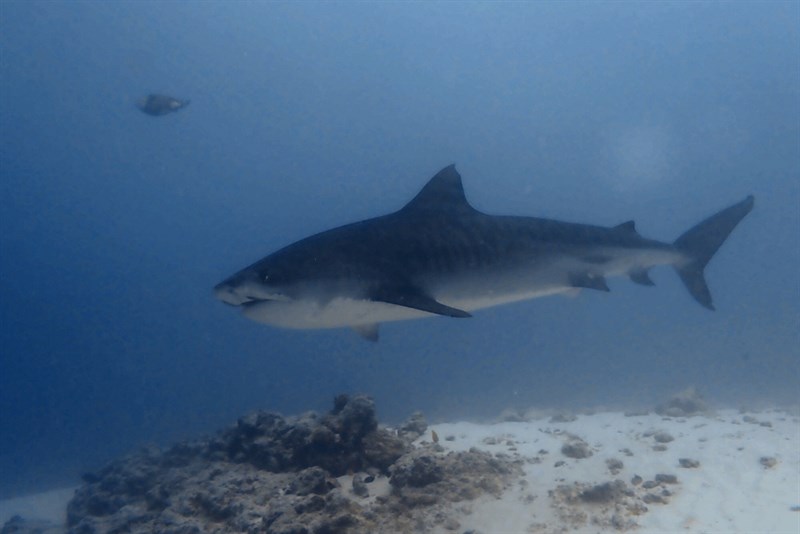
[701, 242]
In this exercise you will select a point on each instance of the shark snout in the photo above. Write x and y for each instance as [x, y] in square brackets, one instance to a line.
[245, 288]
[227, 293]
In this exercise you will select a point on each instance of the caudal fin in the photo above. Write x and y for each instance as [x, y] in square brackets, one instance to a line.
[701, 242]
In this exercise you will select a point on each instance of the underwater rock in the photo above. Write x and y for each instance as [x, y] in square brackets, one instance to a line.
[654, 498]
[768, 462]
[421, 477]
[666, 479]
[416, 471]
[157, 105]
[685, 403]
[563, 418]
[381, 450]
[663, 437]
[614, 465]
[576, 449]
[609, 505]
[413, 427]
[605, 492]
[511, 415]
[346, 439]
[753, 421]
[360, 486]
[313, 480]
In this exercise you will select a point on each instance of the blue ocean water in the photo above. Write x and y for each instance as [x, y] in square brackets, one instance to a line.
[114, 225]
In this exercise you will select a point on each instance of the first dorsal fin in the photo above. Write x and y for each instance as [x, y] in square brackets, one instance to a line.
[442, 192]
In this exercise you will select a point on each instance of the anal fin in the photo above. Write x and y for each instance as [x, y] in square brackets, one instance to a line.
[641, 277]
[588, 280]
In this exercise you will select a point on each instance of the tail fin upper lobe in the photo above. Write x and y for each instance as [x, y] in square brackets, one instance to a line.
[702, 241]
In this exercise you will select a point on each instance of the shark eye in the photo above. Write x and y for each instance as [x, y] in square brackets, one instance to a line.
[266, 277]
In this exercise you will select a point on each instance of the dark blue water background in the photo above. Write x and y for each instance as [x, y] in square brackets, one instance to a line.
[116, 225]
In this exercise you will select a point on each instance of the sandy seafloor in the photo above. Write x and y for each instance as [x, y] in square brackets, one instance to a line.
[747, 477]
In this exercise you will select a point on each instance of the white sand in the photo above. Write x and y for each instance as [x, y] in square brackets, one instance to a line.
[730, 491]
[49, 506]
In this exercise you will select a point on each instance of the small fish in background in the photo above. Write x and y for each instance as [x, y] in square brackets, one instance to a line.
[157, 105]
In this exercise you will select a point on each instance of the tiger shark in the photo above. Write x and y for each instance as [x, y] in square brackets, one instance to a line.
[440, 256]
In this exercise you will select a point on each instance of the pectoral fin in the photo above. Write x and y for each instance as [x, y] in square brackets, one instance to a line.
[411, 297]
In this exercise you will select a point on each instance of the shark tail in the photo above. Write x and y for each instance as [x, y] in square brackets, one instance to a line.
[701, 242]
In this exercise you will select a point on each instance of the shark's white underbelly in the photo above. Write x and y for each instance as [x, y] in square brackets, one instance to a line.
[346, 312]
[336, 313]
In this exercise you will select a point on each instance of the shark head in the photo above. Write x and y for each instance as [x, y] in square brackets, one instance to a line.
[266, 294]
[296, 287]
[252, 285]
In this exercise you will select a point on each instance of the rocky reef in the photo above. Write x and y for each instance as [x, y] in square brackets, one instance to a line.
[314, 474]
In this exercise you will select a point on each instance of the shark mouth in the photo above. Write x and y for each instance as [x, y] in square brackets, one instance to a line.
[245, 303]
[254, 300]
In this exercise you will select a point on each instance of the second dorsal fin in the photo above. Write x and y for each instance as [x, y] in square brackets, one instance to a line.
[627, 226]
